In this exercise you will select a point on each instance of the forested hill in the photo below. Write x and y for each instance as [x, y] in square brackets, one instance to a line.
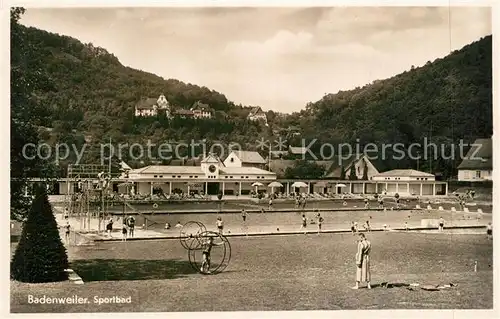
[89, 93]
[93, 94]
[445, 100]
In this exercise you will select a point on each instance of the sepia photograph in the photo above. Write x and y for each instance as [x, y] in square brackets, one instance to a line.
[251, 158]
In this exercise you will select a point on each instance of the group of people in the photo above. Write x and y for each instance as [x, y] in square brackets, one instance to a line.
[128, 227]
[319, 221]
[300, 202]
[354, 226]
[168, 226]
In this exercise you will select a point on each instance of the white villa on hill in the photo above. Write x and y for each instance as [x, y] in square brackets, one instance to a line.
[201, 110]
[256, 114]
[152, 107]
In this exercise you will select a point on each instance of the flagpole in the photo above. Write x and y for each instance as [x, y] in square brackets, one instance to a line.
[109, 164]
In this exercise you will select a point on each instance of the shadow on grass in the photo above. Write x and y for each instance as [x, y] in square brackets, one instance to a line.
[124, 269]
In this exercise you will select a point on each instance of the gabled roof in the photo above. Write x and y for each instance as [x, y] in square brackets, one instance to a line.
[479, 156]
[145, 104]
[255, 110]
[167, 169]
[404, 173]
[210, 158]
[249, 157]
[244, 170]
[200, 106]
[335, 170]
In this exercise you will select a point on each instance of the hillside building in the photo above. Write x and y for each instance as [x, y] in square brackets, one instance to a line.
[478, 162]
[153, 107]
[257, 114]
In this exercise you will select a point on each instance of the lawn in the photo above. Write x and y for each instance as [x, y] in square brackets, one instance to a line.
[298, 272]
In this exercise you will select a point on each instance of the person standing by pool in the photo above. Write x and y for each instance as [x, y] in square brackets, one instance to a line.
[109, 226]
[131, 225]
[367, 226]
[353, 230]
[441, 223]
[363, 262]
[489, 231]
[67, 228]
[320, 222]
[304, 223]
[220, 225]
[270, 203]
[244, 217]
[124, 231]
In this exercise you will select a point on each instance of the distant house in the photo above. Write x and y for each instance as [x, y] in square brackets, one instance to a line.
[293, 152]
[153, 107]
[357, 163]
[245, 159]
[256, 114]
[278, 154]
[478, 162]
[201, 111]
[182, 113]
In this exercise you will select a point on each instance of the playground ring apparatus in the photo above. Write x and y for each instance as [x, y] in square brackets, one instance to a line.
[195, 237]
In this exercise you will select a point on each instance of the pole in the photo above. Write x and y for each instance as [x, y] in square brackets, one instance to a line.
[109, 164]
[88, 210]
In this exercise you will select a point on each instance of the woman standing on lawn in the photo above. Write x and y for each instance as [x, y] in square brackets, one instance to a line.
[363, 262]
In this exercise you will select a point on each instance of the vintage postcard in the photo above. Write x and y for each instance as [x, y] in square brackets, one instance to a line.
[183, 159]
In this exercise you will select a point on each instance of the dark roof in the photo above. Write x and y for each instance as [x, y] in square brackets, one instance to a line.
[479, 156]
[250, 157]
[146, 104]
[184, 112]
[255, 110]
[200, 106]
[335, 170]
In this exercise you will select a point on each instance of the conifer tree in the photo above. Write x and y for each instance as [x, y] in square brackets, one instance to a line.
[40, 255]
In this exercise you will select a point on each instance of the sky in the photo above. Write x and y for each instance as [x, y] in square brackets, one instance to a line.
[277, 58]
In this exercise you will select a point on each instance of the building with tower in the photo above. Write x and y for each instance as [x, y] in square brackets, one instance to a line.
[153, 107]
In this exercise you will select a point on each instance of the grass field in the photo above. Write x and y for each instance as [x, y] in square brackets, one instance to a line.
[296, 272]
